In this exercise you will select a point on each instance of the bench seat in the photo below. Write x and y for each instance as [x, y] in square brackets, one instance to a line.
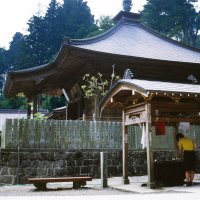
[40, 183]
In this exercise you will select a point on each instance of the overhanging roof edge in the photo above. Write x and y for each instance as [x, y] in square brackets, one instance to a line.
[113, 91]
[180, 88]
[127, 56]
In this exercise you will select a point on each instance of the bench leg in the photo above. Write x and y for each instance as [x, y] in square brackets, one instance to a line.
[77, 185]
[40, 186]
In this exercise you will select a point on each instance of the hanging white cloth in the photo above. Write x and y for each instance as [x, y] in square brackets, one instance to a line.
[184, 127]
[144, 137]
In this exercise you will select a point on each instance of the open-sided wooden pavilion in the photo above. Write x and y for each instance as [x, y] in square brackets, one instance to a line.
[148, 102]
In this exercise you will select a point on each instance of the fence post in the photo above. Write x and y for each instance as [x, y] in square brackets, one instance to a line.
[104, 174]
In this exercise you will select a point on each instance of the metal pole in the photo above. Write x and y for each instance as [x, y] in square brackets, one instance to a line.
[18, 163]
[104, 174]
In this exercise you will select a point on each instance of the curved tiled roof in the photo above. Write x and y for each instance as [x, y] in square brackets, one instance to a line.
[126, 43]
[130, 38]
[145, 87]
[160, 86]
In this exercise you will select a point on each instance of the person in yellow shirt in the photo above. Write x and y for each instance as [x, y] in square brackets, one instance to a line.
[187, 152]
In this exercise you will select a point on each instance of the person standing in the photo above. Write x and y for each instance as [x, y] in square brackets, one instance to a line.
[187, 153]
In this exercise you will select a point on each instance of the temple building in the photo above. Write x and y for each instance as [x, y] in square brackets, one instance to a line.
[127, 45]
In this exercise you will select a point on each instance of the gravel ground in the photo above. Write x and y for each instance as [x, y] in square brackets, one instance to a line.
[93, 189]
[58, 189]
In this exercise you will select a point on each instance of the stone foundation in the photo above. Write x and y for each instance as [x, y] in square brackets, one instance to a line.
[53, 162]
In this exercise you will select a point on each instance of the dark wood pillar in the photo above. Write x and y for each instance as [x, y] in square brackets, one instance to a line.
[29, 103]
[125, 151]
[96, 106]
[150, 166]
[35, 105]
[66, 111]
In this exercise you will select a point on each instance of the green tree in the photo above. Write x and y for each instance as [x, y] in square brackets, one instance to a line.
[45, 33]
[50, 103]
[75, 19]
[53, 37]
[34, 46]
[16, 53]
[174, 18]
[3, 67]
[103, 23]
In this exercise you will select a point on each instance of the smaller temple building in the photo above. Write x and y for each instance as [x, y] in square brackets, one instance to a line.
[155, 105]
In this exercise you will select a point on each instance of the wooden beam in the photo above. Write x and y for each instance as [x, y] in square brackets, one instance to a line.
[125, 151]
[177, 119]
[150, 167]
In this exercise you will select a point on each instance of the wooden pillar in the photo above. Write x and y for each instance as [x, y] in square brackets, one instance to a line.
[29, 102]
[66, 111]
[150, 166]
[84, 117]
[125, 151]
[175, 142]
[35, 105]
[96, 106]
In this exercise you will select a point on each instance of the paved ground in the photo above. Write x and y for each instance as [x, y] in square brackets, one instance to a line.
[93, 190]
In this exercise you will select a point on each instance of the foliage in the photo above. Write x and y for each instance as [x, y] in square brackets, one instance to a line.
[16, 53]
[45, 34]
[174, 18]
[3, 67]
[96, 85]
[4, 103]
[51, 102]
[104, 23]
[39, 116]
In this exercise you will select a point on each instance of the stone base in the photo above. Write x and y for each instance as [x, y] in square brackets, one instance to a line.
[125, 181]
[8, 179]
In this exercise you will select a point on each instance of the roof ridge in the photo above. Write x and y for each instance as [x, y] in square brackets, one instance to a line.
[104, 35]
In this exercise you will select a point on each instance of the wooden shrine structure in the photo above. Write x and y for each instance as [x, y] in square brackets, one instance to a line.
[146, 102]
[128, 44]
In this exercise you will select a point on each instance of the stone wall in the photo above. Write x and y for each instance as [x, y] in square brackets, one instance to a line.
[52, 163]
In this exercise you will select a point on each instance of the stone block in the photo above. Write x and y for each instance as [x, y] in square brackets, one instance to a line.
[59, 164]
[13, 163]
[47, 156]
[7, 179]
[97, 162]
[88, 162]
[24, 180]
[30, 171]
[13, 155]
[71, 171]
[4, 171]
[94, 155]
[112, 170]
[25, 163]
[50, 172]
[85, 170]
[58, 172]
[70, 162]
[58, 156]
[12, 171]
[41, 171]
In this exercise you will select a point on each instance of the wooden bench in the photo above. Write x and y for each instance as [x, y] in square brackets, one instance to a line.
[40, 183]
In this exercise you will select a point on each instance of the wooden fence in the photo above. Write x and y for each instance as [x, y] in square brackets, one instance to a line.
[71, 135]
[61, 134]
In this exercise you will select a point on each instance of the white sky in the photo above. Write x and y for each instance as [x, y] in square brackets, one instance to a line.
[14, 14]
